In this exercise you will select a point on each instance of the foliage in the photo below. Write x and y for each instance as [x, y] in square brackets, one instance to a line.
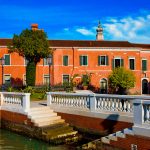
[86, 79]
[72, 83]
[33, 45]
[121, 79]
[28, 89]
[30, 73]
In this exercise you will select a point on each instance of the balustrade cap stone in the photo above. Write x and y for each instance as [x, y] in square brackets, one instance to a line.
[15, 93]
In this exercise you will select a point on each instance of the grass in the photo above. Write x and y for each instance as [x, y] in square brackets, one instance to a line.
[38, 96]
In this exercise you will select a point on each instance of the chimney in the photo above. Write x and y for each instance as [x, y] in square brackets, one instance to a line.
[34, 27]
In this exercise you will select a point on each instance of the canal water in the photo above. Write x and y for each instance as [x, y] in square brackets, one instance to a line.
[12, 141]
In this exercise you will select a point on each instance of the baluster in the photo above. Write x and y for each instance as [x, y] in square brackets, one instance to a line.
[125, 106]
[109, 104]
[102, 103]
[128, 106]
[147, 113]
[117, 104]
[112, 105]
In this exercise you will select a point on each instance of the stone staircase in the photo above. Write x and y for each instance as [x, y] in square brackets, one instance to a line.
[52, 128]
[115, 136]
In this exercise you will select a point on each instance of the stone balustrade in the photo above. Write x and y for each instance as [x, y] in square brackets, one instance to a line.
[14, 101]
[136, 105]
[93, 102]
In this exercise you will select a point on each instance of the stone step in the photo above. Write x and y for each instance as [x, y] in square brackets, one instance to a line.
[49, 123]
[112, 137]
[45, 119]
[53, 126]
[39, 116]
[128, 131]
[40, 112]
[39, 108]
[105, 140]
[120, 134]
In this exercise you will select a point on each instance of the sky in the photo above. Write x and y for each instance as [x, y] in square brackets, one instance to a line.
[127, 20]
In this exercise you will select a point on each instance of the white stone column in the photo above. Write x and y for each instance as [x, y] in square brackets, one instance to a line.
[140, 127]
[92, 102]
[26, 102]
[1, 99]
[49, 98]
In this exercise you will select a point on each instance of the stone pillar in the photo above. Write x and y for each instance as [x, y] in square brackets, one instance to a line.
[140, 127]
[49, 98]
[26, 102]
[92, 102]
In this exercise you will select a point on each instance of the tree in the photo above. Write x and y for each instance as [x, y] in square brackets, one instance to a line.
[33, 45]
[121, 79]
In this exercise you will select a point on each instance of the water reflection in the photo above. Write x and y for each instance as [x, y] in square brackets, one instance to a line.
[12, 141]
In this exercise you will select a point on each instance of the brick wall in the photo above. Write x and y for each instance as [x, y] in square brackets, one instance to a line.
[95, 124]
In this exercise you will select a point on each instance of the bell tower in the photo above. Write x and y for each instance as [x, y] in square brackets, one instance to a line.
[99, 30]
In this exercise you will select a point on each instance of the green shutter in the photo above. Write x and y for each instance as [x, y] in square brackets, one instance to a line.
[113, 64]
[7, 59]
[81, 61]
[86, 60]
[122, 62]
[144, 65]
[107, 61]
[65, 60]
[98, 60]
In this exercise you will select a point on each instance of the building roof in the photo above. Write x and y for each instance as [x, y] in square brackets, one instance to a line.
[85, 43]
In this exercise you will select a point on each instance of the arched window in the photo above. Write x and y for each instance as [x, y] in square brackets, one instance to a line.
[144, 86]
[103, 86]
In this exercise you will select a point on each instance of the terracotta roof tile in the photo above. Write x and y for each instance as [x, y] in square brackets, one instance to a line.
[82, 43]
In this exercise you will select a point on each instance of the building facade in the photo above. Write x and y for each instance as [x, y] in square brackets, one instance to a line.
[70, 57]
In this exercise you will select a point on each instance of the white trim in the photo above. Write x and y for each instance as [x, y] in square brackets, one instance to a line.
[48, 76]
[4, 78]
[129, 63]
[63, 60]
[87, 60]
[100, 60]
[63, 78]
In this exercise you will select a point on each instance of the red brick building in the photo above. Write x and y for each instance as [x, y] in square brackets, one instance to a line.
[97, 58]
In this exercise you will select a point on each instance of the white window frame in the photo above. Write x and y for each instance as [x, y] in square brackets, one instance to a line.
[105, 60]
[47, 62]
[115, 59]
[63, 78]
[87, 60]
[4, 78]
[134, 62]
[49, 78]
[63, 60]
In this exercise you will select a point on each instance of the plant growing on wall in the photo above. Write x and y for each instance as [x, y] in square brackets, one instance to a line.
[86, 79]
[121, 80]
[32, 45]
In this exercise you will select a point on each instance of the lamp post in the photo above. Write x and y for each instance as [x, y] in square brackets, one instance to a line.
[2, 63]
[50, 61]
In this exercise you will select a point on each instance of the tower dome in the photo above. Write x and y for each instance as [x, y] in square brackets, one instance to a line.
[99, 30]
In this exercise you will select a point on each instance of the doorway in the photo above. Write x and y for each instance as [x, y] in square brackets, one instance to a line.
[144, 86]
[103, 86]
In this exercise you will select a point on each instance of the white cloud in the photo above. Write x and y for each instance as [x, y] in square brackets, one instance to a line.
[133, 29]
[66, 29]
[84, 31]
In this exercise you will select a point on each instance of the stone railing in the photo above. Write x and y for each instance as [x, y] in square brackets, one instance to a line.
[15, 101]
[137, 106]
[142, 117]
[93, 102]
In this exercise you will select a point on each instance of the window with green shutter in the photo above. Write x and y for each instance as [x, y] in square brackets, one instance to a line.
[103, 60]
[131, 63]
[7, 59]
[118, 62]
[83, 60]
[65, 60]
[144, 65]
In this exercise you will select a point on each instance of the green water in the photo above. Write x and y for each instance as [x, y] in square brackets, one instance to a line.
[12, 141]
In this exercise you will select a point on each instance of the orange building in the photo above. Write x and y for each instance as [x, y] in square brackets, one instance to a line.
[97, 58]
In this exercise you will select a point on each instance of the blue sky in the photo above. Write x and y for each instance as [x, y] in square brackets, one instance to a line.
[78, 19]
